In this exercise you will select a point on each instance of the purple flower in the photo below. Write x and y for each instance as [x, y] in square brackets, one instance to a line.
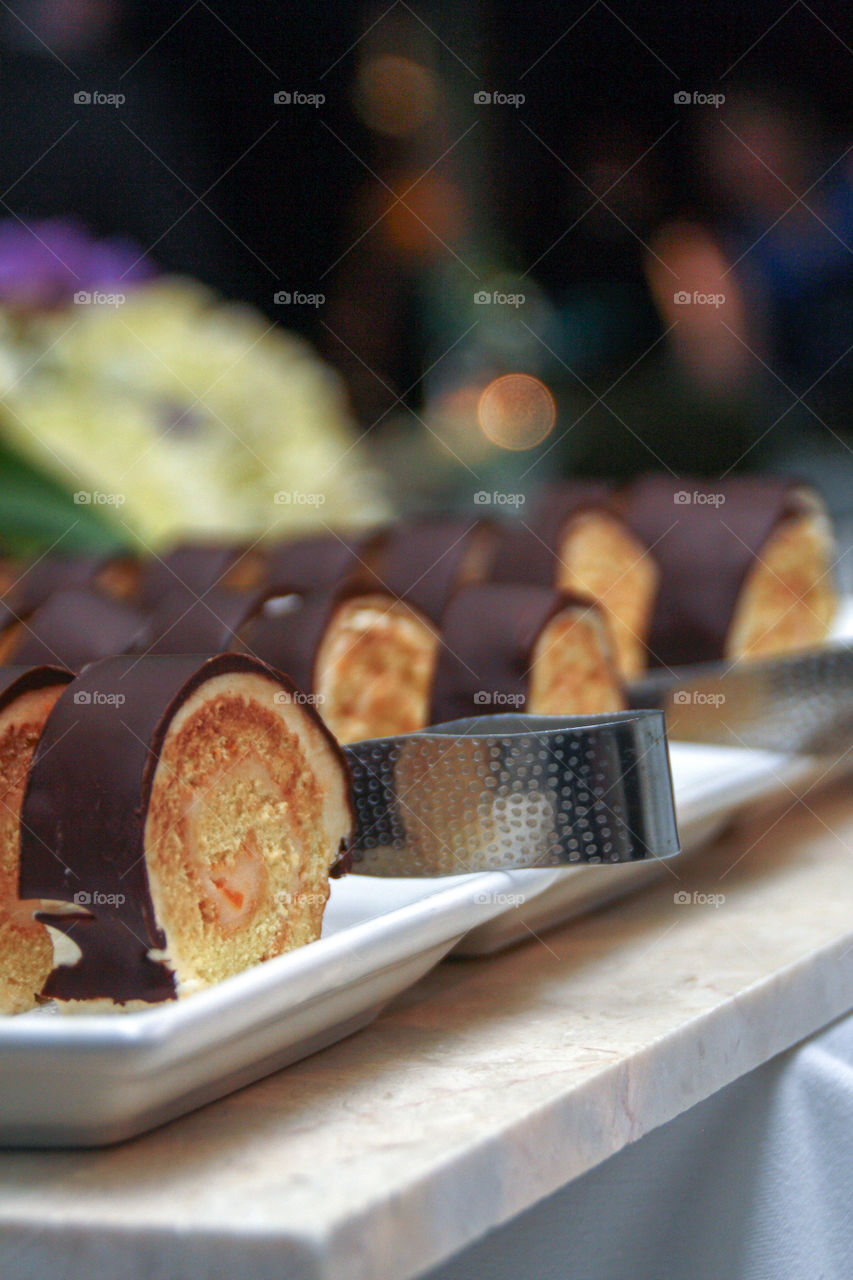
[46, 262]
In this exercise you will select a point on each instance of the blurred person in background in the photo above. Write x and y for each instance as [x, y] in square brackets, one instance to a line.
[774, 243]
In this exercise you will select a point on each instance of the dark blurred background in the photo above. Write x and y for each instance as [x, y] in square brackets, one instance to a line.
[601, 199]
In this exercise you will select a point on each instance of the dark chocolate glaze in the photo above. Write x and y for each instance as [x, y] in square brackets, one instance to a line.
[84, 814]
[290, 629]
[556, 503]
[528, 548]
[704, 553]
[9, 619]
[75, 626]
[288, 632]
[182, 623]
[15, 681]
[51, 573]
[521, 555]
[424, 561]
[489, 632]
[192, 567]
[319, 563]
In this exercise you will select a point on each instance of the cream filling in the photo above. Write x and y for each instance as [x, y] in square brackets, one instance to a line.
[237, 886]
[600, 558]
[374, 669]
[30, 708]
[65, 949]
[234, 887]
[571, 672]
[28, 953]
[788, 600]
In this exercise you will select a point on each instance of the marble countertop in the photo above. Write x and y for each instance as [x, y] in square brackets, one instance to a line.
[487, 1086]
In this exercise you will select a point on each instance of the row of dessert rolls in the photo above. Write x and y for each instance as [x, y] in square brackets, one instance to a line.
[169, 819]
[439, 618]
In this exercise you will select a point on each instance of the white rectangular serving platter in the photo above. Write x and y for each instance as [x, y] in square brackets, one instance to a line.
[712, 786]
[91, 1080]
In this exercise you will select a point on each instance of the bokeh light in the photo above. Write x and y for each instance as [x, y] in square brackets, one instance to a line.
[395, 96]
[516, 411]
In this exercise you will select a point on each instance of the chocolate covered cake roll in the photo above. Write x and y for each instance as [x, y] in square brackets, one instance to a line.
[196, 567]
[365, 659]
[182, 623]
[71, 628]
[508, 647]
[745, 566]
[116, 575]
[573, 539]
[26, 952]
[193, 811]
[424, 561]
[319, 563]
[373, 668]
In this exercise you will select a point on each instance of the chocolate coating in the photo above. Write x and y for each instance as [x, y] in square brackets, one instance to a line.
[182, 623]
[424, 561]
[489, 632]
[84, 815]
[76, 626]
[318, 563]
[35, 582]
[704, 551]
[18, 680]
[192, 567]
[528, 548]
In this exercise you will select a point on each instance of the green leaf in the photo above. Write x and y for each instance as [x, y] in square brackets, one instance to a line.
[36, 513]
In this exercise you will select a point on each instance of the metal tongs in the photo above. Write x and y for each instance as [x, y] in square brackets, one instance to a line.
[513, 791]
[799, 704]
[503, 792]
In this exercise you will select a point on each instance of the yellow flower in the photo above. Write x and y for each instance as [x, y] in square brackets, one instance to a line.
[198, 414]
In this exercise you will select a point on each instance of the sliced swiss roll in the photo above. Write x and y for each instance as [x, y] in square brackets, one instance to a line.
[320, 562]
[366, 650]
[116, 575]
[197, 567]
[27, 696]
[365, 658]
[210, 623]
[73, 626]
[425, 561]
[192, 810]
[575, 540]
[745, 566]
[509, 647]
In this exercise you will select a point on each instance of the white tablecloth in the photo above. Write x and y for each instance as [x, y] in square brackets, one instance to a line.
[755, 1183]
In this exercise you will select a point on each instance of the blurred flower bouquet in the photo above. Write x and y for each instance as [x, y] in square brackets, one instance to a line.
[136, 407]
